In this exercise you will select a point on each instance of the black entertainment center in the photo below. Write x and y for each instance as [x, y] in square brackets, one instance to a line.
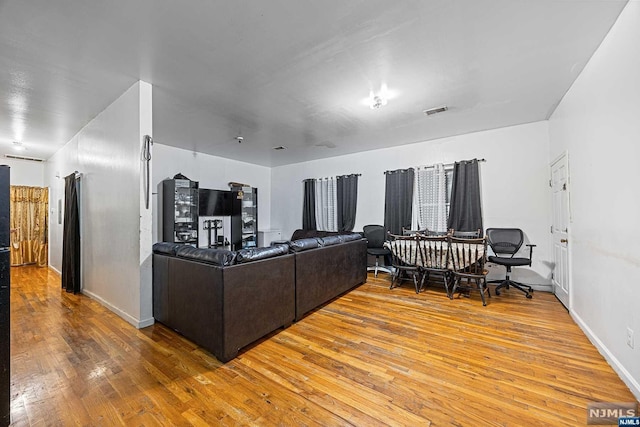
[184, 204]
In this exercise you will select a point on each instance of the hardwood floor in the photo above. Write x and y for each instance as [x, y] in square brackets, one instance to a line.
[372, 357]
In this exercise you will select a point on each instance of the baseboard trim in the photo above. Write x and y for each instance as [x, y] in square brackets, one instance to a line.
[138, 324]
[146, 322]
[542, 288]
[126, 316]
[622, 372]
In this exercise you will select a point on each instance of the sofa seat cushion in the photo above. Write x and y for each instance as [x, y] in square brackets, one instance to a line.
[304, 244]
[255, 254]
[219, 257]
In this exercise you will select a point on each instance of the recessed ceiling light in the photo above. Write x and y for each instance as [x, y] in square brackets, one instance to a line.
[280, 147]
[436, 110]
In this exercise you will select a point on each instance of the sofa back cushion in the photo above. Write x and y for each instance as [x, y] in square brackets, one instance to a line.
[303, 244]
[307, 234]
[219, 257]
[255, 254]
[330, 240]
[166, 248]
[350, 237]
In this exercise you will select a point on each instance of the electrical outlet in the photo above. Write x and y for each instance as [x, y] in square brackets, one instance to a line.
[630, 337]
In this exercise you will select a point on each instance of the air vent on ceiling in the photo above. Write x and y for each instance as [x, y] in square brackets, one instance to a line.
[436, 110]
[280, 147]
[31, 159]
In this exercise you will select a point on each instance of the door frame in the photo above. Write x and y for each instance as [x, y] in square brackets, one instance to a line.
[564, 156]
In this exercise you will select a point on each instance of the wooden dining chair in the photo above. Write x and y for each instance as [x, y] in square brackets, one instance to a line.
[409, 232]
[434, 253]
[405, 260]
[468, 259]
[475, 234]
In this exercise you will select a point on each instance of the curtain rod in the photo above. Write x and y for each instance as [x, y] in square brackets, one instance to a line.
[449, 164]
[332, 177]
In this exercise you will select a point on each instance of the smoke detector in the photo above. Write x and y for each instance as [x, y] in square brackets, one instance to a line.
[239, 139]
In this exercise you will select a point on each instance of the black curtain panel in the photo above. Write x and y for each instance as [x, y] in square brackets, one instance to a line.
[465, 212]
[309, 205]
[347, 189]
[71, 237]
[398, 200]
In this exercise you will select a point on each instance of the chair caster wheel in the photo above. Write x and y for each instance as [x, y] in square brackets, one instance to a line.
[497, 292]
[529, 296]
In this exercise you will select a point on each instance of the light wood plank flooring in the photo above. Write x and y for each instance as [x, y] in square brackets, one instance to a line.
[372, 357]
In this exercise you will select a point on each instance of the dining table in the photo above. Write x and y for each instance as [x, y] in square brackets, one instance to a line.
[468, 253]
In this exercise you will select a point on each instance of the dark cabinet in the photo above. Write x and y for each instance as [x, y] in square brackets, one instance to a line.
[5, 279]
[244, 217]
[179, 201]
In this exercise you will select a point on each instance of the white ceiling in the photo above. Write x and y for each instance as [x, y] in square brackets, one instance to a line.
[290, 72]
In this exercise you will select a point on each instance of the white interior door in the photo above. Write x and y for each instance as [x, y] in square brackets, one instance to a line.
[560, 228]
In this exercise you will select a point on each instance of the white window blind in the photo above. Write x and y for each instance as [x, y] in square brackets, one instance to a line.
[431, 198]
[326, 202]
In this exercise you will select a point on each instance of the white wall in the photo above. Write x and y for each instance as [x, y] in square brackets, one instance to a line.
[598, 123]
[514, 181]
[25, 172]
[116, 242]
[214, 173]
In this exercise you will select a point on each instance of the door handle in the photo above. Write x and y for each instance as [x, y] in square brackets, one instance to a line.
[564, 241]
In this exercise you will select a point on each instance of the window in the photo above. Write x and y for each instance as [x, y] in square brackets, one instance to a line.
[433, 197]
[448, 172]
[330, 203]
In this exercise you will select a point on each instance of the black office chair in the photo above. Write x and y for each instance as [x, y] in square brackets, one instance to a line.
[375, 236]
[505, 243]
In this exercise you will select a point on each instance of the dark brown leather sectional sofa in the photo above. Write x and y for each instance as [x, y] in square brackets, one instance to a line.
[224, 300]
[325, 268]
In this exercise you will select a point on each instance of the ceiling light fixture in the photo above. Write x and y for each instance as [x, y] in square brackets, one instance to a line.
[379, 100]
[17, 145]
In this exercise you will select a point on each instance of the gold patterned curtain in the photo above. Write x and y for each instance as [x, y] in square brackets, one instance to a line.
[29, 221]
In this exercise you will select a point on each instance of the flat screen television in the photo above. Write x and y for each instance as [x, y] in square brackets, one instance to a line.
[214, 202]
